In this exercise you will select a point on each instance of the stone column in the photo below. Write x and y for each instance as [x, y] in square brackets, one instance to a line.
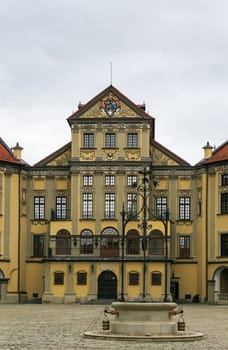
[92, 295]
[211, 291]
[47, 296]
[70, 297]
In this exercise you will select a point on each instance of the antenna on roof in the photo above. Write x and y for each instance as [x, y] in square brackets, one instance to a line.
[111, 73]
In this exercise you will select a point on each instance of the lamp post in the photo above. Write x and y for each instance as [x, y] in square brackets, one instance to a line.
[123, 215]
[144, 189]
[165, 223]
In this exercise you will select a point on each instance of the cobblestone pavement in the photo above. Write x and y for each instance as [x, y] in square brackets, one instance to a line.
[61, 327]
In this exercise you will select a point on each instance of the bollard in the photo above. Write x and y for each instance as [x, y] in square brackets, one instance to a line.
[105, 323]
[181, 324]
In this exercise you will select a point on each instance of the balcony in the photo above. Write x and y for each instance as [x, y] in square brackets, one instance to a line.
[103, 248]
[55, 215]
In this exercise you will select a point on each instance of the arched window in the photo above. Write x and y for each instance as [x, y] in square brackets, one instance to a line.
[133, 278]
[156, 278]
[132, 243]
[58, 278]
[86, 242]
[63, 243]
[81, 278]
[109, 242]
[156, 243]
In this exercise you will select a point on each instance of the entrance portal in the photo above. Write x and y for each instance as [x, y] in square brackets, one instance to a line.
[107, 285]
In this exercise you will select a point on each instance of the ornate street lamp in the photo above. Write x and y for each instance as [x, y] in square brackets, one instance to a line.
[144, 189]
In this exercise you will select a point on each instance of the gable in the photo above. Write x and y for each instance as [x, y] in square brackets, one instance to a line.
[109, 104]
[61, 157]
[161, 156]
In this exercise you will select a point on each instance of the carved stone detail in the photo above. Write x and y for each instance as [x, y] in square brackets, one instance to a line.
[133, 154]
[87, 155]
[110, 154]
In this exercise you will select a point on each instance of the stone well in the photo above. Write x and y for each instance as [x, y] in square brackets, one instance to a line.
[143, 319]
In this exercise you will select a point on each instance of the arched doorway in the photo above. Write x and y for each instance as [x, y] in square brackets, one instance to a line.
[107, 285]
[3, 286]
[224, 281]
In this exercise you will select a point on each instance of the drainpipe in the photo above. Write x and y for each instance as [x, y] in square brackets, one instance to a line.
[206, 228]
[19, 239]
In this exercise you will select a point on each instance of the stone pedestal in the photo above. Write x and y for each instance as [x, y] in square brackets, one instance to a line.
[143, 319]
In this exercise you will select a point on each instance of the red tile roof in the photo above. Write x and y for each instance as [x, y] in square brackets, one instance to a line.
[6, 154]
[220, 154]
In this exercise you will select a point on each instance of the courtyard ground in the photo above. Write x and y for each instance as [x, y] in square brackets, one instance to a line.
[61, 327]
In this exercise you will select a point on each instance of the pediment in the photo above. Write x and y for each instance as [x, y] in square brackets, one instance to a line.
[59, 158]
[161, 156]
[109, 104]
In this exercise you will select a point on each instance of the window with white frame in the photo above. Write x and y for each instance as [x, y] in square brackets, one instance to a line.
[109, 205]
[61, 207]
[87, 180]
[132, 204]
[161, 207]
[132, 180]
[87, 206]
[110, 140]
[132, 140]
[88, 140]
[109, 180]
[39, 207]
[184, 208]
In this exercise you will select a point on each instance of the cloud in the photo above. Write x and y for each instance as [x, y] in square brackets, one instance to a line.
[170, 54]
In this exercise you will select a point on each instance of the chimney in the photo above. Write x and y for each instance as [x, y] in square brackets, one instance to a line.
[207, 150]
[17, 151]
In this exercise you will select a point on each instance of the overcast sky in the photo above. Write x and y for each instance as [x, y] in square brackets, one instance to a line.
[172, 54]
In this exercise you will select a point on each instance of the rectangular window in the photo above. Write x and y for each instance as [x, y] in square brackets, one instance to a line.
[133, 279]
[88, 140]
[156, 279]
[87, 180]
[184, 246]
[109, 180]
[224, 244]
[110, 140]
[81, 278]
[87, 206]
[224, 179]
[161, 207]
[38, 245]
[199, 208]
[132, 180]
[132, 140]
[61, 207]
[39, 208]
[59, 278]
[109, 205]
[132, 204]
[184, 208]
[224, 203]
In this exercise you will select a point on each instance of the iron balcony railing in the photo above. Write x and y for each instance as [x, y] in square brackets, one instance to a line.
[100, 246]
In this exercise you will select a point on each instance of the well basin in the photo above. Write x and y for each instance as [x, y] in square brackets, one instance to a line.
[143, 319]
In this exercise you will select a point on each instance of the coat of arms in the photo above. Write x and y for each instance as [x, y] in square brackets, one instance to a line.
[110, 105]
